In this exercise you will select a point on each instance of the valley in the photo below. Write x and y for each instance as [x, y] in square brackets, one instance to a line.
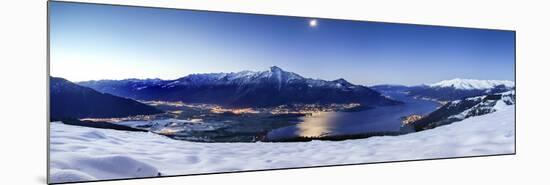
[213, 123]
[270, 106]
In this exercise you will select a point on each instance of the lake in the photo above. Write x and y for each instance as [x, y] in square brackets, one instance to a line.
[376, 120]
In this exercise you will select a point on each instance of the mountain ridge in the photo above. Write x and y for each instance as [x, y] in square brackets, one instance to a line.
[72, 101]
[469, 84]
[449, 90]
[271, 87]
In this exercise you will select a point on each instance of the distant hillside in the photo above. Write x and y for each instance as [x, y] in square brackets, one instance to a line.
[449, 90]
[473, 84]
[69, 100]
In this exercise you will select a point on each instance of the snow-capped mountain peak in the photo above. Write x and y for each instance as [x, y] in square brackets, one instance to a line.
[470, 84]
[275, 69]
[342, 81]
[280, 75]
[274, 73]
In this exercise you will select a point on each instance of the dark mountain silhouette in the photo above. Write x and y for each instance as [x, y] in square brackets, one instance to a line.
[70, 101]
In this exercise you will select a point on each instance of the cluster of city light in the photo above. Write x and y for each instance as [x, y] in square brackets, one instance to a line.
[312, 108]
[167, 103]
[433, 99]
[307, 109]
[219, 110]
[167, 131]
[115, 120]
[410, 119]
[176, 112]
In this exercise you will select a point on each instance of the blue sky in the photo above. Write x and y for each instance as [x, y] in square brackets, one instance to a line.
[91, 42]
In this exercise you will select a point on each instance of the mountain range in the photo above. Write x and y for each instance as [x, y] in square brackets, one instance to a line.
[453, 89]
[72, 101]
[472, 84]
[267, 88]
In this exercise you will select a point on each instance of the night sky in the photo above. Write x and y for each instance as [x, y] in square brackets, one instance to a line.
[91, 42]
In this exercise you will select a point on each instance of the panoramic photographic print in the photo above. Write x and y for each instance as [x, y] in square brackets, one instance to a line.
[138, 92]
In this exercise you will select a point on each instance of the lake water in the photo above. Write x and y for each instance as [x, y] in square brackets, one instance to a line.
[379, 119]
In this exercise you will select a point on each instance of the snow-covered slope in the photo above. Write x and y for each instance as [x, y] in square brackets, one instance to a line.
[80, 153]
[464, 108]
[488, 105]
[470, 84]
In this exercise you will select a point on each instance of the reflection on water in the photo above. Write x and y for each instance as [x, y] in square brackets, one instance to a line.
[317, 125]
[379, 119]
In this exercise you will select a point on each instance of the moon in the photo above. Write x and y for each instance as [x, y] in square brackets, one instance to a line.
[313, 23]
